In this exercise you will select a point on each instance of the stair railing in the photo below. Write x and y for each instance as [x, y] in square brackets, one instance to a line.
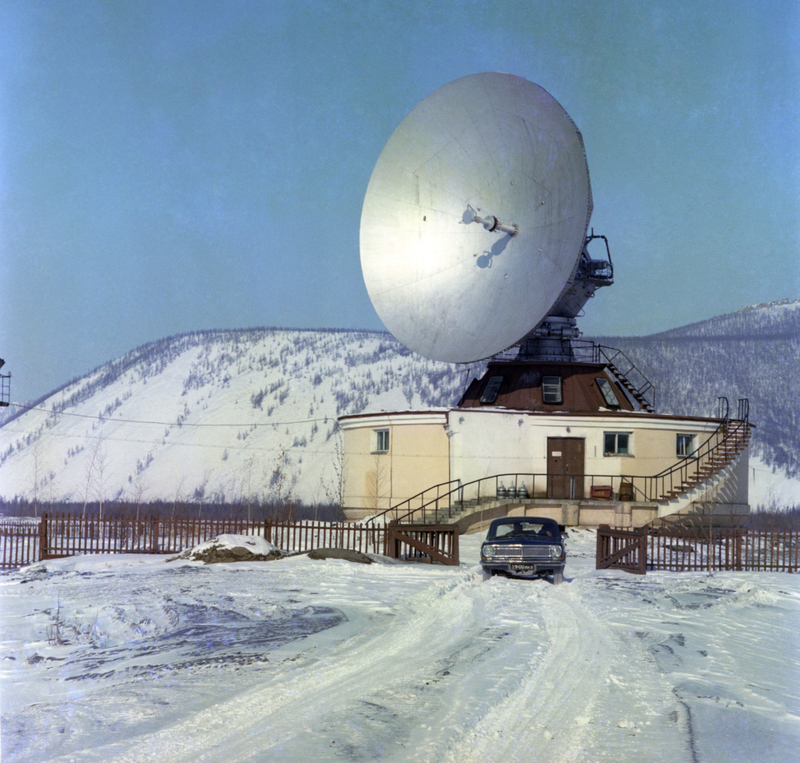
[448, 498]
[724, 444]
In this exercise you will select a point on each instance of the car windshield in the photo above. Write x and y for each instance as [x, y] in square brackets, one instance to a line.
[531, 528]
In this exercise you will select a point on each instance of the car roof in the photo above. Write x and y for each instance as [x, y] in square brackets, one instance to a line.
[527, 520]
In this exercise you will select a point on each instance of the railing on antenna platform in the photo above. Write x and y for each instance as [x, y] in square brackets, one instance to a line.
[5, 386]
[626, 370]
[5, 389]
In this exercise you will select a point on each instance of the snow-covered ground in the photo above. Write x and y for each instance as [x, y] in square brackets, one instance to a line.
[771, 488]
[296, 660]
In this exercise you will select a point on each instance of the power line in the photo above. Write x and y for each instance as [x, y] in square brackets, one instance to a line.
[248, 425]
[159, 443]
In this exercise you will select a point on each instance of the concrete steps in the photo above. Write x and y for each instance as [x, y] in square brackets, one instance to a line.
[708, 476]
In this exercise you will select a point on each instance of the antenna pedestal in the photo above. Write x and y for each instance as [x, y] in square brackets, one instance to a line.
[551, 340]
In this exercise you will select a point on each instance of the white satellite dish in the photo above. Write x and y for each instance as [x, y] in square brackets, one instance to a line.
[475, 217]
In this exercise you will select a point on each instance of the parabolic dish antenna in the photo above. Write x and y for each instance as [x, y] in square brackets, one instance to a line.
[475, 217]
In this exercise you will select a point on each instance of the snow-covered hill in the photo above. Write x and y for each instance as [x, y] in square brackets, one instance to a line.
[232, 415]
[753, 353]
[219, 416]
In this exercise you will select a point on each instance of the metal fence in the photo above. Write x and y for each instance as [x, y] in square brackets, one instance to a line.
[306, 536]
[681, 550]
[68, 535]
[19, 544]
[62, 535]
[724, 549]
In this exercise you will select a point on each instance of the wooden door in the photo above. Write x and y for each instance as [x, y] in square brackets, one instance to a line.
[565, 467]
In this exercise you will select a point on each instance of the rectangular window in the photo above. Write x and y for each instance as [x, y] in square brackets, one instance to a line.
[684, 445]
[551, 390]
[381, 440]
[492, 389]
[617, 443]
[608, 392]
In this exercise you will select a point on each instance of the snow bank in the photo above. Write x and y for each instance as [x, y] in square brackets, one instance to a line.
[232, 548]
[306, 660]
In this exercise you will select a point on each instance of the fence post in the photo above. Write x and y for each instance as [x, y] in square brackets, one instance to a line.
[643, 550]
[738, 560]
[391, 543]
[600, 551]
[42, 538]
[154, 538]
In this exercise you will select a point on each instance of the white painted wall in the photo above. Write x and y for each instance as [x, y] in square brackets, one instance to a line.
[490, 441]
[487, 441]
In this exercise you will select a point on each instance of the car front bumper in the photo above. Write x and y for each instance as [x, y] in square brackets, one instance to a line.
[523, 567]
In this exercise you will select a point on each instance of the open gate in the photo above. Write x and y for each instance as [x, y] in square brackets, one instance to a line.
[424, 543]
[622, 550]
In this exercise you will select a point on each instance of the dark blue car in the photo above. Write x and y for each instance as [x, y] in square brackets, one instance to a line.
[524, 547]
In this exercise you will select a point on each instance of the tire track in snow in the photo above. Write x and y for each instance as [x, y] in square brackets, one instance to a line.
[593, 696]
[545, 718]
[411, 684]
[295, 701]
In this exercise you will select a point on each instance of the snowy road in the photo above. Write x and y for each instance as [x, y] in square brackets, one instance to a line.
[328, 660]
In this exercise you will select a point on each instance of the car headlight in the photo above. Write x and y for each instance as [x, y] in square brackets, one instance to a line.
[487, 551]
[555, 552]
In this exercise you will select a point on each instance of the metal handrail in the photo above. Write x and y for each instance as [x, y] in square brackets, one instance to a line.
[729, 437]
[654, 488]
[589, 351]
[493, 488]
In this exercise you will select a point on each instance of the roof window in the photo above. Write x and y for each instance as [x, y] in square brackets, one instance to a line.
[492, 389]
[608, 392]
[551, 390]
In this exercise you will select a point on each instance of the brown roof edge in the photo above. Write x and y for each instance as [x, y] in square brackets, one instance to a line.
[584, 414]
[445, 411]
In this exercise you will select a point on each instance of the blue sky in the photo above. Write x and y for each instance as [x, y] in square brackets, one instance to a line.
[182, 165]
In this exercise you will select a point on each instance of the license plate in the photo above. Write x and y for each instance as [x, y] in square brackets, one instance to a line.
[522, 568]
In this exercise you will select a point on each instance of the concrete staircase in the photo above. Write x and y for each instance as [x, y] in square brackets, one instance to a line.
[696, 489]
[694, 480]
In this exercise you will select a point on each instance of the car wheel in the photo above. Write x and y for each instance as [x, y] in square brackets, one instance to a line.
[558, 577]
[487, 574]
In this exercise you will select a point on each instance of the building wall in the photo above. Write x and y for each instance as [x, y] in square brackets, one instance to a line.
[416, 459]
[485, 442]
[469, 444]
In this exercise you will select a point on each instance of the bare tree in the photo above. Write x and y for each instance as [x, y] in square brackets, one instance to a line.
[248, 492]
[138, 491]
[280, 486]
[377, 484]
[89, 481]
[334, 489]
[37, 476]
[176, 500]
[100, 460]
